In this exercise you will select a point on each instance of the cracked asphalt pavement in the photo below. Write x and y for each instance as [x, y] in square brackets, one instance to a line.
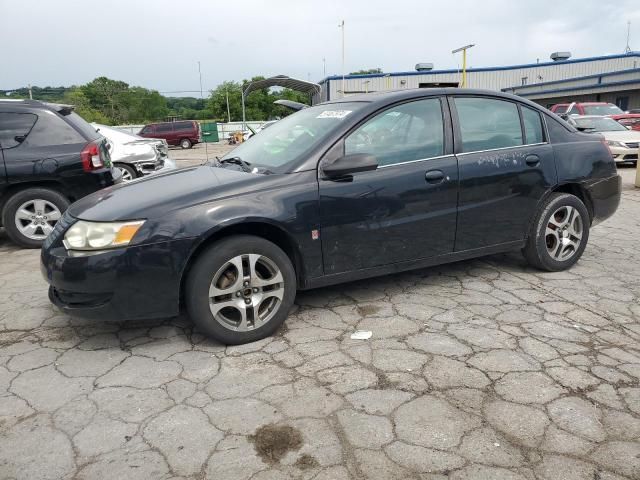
[483, 369]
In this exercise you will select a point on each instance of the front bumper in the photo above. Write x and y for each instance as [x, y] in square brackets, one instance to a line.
[141, 281]
[621, 154]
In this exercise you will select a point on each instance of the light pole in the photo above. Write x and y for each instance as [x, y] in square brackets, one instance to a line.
[341, 25]
[464, 61]
[226, 90]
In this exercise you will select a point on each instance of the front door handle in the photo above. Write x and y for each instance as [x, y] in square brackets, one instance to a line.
[434, 176]
[532, 160]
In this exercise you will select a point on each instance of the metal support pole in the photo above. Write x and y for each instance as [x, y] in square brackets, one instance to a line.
[228, 110]
[244, 118]
[464, 68]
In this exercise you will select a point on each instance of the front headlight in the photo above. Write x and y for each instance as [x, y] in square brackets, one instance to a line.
[100, 235]
[613, 143]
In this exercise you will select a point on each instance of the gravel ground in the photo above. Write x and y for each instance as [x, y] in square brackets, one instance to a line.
[483, 369]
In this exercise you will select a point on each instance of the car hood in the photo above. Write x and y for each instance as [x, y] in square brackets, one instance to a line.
[158, 195]
[621, 136]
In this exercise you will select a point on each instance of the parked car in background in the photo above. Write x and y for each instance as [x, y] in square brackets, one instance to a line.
[628, 119]
[361, 186]
[182, 133]
[133, 155]
[623, 143]
[49, 157]
[586, 108]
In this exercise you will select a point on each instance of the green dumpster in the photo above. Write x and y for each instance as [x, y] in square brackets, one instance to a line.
[209, 132]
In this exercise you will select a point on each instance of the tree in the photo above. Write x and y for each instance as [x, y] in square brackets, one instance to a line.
[75, 96]
[258, 104]
[106, 95]
[367, 71]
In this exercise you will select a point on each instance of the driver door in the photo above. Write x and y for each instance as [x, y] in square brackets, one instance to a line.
[406, 209]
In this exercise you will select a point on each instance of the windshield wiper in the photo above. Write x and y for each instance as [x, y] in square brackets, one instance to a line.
[246, 166]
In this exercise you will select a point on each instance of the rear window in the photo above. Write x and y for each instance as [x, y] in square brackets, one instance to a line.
[14, 128]
[79, 123]
[164, 128]
[532, 125]
[183, 126]
[50, 129]
[487, 124]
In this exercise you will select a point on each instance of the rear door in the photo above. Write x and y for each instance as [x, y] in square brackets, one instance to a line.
[506, 166]
[406, 209]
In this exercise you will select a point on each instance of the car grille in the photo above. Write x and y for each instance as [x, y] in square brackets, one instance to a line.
[632, 144]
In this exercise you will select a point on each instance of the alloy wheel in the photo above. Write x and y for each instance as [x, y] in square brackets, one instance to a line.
[36, 218]
[246, 292]
[126, 175]
[563, 234]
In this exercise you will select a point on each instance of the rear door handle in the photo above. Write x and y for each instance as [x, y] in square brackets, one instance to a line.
[434, 176]
[532, 160]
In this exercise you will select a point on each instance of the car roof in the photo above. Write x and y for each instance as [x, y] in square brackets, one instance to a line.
[399, 95]
[35, 105]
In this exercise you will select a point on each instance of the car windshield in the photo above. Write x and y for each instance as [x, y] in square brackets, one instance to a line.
[278, 147]
[601, 124]
[602, 110]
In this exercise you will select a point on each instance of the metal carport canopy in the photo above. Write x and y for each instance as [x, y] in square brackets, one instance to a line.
[278, 81]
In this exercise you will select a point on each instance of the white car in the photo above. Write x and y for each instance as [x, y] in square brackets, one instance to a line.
[135, 156]
[623, 142]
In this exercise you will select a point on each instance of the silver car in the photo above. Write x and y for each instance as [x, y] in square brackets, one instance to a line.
[135, 156]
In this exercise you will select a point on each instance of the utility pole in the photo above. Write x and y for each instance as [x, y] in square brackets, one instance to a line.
[30, 93]
[324, 67]
[628, 48]
[464, 62]
[228, 110]
[341, 25]
[200, 76]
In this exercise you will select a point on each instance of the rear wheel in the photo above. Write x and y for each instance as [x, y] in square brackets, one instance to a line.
[240, 289]
[559, 233]
[128, 172]
[30, 215]
[185, 143]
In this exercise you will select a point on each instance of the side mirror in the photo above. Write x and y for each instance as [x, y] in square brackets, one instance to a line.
[353, 163]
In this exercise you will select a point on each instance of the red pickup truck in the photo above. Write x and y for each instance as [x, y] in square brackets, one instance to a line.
[598, 108]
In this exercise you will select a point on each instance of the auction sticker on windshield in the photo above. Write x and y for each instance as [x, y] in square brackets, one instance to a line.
[334, 114]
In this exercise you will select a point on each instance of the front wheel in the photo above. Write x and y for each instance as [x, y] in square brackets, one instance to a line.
[240, 289]
[559, 233]
[185, 143]
[30, 215]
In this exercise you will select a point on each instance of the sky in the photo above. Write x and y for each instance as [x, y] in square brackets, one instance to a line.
[157, 44]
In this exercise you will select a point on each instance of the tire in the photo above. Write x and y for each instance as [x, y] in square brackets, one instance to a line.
[185, 143]
[267, 298]
[559, 233]
[30, 215]
[128, 172]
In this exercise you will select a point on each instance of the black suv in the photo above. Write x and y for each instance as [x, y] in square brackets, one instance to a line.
[49, 157]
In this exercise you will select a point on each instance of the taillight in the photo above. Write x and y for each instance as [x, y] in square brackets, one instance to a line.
[91, 158]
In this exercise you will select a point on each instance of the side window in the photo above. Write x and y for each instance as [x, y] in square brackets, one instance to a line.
[561, 109]
[411, 131]
[50, 129]
[164, 128]
[182, 126]
[532, 125]
[147, 130]
[486, 123]
[14, 128]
